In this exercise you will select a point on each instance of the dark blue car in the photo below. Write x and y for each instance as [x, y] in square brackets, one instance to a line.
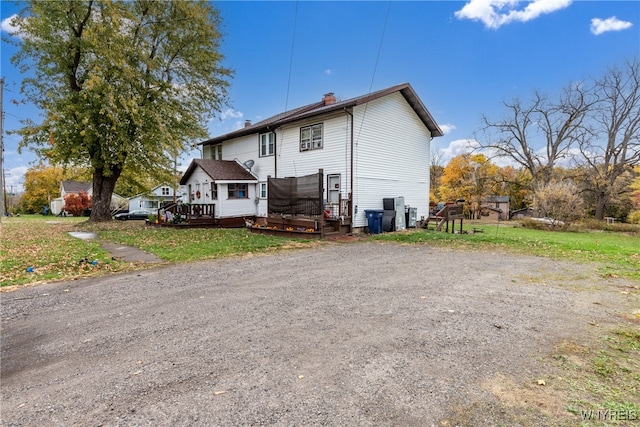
[132, 215]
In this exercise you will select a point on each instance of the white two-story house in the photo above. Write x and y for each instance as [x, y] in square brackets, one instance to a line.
[370, 147]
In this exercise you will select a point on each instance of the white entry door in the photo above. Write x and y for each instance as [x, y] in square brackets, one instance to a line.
[333, 185]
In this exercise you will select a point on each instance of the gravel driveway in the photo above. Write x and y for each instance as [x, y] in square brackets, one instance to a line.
[358, 334]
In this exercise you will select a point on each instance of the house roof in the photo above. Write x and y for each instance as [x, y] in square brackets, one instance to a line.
[76, 186]
[218, 170]
[319, 108]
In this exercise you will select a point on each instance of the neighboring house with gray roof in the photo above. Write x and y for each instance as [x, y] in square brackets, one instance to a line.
[495, 208]
[67, 188]
[370, 147]
[76, 187]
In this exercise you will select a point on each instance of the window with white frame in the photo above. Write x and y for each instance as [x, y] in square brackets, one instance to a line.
[311, 137]
[165, 191]
[238, 191]
[263, 190]
[267, 144]
[214, 191]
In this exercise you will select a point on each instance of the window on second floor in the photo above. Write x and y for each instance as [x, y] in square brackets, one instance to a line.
[267, 144]
[238, 191]
[165, 191]
[311, 137]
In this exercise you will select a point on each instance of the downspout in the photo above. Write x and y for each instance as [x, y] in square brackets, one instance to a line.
[353, 216]
[275, 151]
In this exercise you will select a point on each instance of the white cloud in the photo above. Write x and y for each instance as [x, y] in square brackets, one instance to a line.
[447, 128]
[455, 148]
[14, 179]
[599, 26]
[7, 26]
[463, 146]
[495, 13]
[230, 113]
[328, 72]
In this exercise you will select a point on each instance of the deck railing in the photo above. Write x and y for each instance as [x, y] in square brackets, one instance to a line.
[342, 209]
[187, 212]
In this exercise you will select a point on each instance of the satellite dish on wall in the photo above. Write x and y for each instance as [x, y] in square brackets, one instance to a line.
[249, 164]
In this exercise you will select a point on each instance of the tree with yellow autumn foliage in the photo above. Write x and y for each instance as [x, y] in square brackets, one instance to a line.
[471, 177]
[42, 185]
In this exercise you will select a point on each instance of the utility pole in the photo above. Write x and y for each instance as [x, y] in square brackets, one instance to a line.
[3, 200]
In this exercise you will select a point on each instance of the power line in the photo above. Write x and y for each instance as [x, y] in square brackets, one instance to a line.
[293, 41]
[384, 30]
[375, 67]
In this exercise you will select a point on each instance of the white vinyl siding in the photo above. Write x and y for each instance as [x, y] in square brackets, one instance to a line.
[391, 155]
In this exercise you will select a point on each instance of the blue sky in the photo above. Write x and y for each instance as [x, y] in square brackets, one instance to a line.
[463, 58]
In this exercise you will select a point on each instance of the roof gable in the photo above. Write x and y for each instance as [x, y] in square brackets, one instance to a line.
[218, 170]
[319, 108]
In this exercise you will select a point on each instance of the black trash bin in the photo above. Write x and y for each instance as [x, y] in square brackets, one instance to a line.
[374, 220]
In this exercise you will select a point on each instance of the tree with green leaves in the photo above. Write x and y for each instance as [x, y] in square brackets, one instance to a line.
[125, 86]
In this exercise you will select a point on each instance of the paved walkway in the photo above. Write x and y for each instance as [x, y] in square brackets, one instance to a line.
[120, 252]
[129, 254]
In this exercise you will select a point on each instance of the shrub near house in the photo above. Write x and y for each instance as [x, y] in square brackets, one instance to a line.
[77, 203]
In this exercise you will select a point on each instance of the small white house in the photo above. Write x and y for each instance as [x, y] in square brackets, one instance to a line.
[371, 147]
[154, 199]
[226, 184]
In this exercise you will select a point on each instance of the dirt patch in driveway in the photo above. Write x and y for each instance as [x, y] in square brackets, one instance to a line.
[341, 334]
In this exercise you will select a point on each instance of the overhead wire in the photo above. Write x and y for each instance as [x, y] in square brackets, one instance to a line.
[366, 105]
[375, 68]
[286, 100]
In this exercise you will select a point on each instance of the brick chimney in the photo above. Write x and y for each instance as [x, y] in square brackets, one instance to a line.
[247, 123]
[329, 98]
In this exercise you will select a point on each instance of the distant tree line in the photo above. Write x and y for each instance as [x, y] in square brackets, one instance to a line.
[593, 126]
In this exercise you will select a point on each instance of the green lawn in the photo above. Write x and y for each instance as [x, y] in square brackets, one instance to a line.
[617, 254]
[43, 246]
[37, 249]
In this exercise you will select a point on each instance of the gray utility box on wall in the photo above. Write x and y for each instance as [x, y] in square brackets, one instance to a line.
[394, 216]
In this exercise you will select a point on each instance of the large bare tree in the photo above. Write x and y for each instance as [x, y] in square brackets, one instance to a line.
[614, 147]
[537, 134]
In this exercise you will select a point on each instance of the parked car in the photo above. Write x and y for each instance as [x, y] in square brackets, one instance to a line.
[140, 214]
